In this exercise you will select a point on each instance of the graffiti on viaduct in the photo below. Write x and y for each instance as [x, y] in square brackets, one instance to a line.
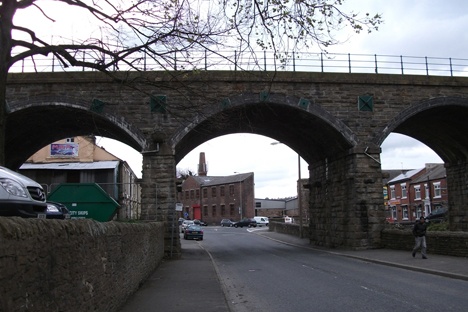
[335, 122]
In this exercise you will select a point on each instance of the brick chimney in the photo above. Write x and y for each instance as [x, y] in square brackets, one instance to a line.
[202, 169]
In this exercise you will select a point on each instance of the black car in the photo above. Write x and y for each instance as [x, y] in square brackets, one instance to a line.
[200, 222]
[245, 222]
[437, 215]
[57, 211]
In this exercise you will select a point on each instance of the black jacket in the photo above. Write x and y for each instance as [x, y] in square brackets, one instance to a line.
[419, 229]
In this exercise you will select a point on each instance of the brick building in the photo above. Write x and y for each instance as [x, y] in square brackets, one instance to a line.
[415, 193]
[213, 198]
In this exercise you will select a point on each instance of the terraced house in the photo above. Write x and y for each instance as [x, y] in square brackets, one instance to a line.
[416, 193]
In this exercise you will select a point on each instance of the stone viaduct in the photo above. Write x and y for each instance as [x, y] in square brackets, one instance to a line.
[336, 122]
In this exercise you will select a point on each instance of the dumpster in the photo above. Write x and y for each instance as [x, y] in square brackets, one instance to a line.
[85, 201]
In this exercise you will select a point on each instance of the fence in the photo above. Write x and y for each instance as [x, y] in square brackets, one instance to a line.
[268, 61]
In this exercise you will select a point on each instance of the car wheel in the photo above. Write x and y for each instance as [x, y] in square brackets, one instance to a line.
[201, 238]
[235, 226]
[222, 225]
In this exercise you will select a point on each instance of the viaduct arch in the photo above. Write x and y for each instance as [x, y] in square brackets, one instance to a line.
[336, 122]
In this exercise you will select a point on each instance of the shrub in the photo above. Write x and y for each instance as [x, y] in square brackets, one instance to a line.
[441, 226]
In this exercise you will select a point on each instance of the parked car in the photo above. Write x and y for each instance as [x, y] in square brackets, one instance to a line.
[57, 211]
[288, 220]
[193, 232]
[245, 222]
[227, 222]
[21, 196]
[185, 224]
[200, 222]
[181, 220]
[437, 215]
[261, 221]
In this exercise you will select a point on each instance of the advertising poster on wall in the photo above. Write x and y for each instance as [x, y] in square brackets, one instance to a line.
[64, 149]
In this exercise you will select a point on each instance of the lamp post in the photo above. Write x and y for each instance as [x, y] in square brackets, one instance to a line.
[299, 190]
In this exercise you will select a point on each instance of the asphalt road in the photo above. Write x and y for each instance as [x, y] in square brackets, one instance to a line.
[259, 274]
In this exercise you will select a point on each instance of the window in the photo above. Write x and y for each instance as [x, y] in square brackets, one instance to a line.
[213, 210]
[187, 194]
[403, 191]
[205, 193]
[192, 194]
[223, 210]
[392, 191]
[205, 211]
[197, 193]
[231, 190]
[231, 209]
[213, 191]
[417, 192]
[419, 212]
[437, 189]
[394, 215]
[426, 189]
[405, 212]
[221, 191]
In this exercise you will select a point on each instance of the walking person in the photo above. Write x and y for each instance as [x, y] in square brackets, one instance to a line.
[419, 232]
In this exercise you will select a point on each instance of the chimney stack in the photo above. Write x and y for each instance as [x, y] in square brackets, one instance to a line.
[202, 169]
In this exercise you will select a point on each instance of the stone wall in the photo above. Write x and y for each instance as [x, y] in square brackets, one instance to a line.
[441, 243]
[76, 265]
[288, 228]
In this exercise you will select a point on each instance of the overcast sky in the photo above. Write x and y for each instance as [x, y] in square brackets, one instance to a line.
[411, 28]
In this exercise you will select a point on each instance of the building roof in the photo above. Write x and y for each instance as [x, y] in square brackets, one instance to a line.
[390, 174]
[108, 164]
[405, 175]
[433, 172]
[218, 180]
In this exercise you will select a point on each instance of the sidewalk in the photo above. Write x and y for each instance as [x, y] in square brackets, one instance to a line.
[191, 283]
[187, 284]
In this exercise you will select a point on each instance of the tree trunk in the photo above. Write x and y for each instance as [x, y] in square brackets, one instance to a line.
[7, 11]
[3, 80]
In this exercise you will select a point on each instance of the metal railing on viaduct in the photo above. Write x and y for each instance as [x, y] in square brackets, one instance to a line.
[271, 61]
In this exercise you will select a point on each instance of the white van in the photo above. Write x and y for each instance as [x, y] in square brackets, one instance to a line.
[261, 221]
[20, 196]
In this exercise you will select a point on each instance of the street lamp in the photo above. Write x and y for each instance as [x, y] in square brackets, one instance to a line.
[299, 190]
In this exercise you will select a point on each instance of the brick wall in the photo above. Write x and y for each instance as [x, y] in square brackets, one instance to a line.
[77, 265]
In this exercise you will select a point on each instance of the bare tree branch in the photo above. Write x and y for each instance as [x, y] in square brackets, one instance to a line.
[129, 30]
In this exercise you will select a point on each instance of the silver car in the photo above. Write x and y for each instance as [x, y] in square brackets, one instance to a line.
[185, 224]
